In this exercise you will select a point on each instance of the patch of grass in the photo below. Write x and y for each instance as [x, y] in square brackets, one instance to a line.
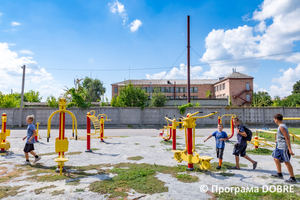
[11, 175]
[47, 154]
[129, 126]
[187, 178]
[260, 151]
[94, 149]
[297, 176]
[124, 136]
[199, 136]
[170, 149]
[258, 195]
[73, 182]
[136, 143]
[57, 192]
[298, 157]
[152, 146]
[225, 166]
[6, 191]
[40, 190]
[79, 190]
[73, 153]
[296, 131]
[199, 145]
[135, 158]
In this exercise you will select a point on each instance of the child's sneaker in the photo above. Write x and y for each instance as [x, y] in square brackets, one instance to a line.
[37, 159]
[219, 167]
[291, 180]
[25, 163]
[277, 176]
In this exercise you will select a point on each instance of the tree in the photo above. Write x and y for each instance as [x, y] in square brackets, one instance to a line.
[277, 101]
[158, 99]
[130, 96]
[296, 87]
[292, 100]
[261, 99]
[52, 102]
[208, 94]
[32, 96]
[10, 100]
[93, 88]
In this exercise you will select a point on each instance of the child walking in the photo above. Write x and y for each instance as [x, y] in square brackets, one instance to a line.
[241, 145]
[220, 136]
[31, 132]
[283, 150]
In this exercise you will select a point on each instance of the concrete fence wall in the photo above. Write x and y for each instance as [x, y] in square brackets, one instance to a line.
[153, 116]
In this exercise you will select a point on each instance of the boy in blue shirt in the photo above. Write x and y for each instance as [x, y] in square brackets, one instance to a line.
[31, 132]
[220, 136]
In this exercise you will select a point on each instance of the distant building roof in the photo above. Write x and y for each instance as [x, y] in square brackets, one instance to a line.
[182, 81]
[167, 81]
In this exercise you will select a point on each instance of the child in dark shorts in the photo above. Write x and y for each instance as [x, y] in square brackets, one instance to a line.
[283, 150]
[220, 136]
[241, 145]
[29, 147]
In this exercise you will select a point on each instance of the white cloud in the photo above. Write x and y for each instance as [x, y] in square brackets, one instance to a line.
[15, 24]
[1, 14]
[36, 78]
[134, 26]
[118, 7]
[286, 82]
[176, 73]
[24, 51]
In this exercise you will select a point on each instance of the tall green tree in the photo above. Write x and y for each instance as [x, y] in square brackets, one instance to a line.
[158, 98]
[10, 100]
[94, 89]
[52, 102]
[131, 96]
[32, 96]
[292, 100]
[261, 99]
[296, 87]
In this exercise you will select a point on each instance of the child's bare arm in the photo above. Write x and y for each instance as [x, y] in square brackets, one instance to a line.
[24, 137]
[287, 139]
[222, 139]
[207, 138]
[33, 135]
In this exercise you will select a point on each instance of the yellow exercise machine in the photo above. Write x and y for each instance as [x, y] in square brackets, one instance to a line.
[4, 144]
[189, 154]
[61, 142]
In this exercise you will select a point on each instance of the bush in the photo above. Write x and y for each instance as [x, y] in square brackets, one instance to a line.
[183, 107]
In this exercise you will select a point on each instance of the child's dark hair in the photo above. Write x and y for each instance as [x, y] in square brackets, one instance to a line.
[236, 119]
[221, 125]
[278, 116]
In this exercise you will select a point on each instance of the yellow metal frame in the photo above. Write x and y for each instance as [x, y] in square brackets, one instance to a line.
[4, 134]
[62, 145]
[97, 122]
[190, 122]
[37, 130]
[228, 115]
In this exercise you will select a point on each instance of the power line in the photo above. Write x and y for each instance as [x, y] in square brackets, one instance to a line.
[174, 63]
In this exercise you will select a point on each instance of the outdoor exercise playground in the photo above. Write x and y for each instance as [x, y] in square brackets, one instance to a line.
[172, 163]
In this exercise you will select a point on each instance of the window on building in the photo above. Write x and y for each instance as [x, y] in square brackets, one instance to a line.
[247, 86]
[223, 86]
[196, 90]
[223, 95]
[172, 97]
[248, 97]
[177, 89]
[116, 89]
[217, 88]
[148, 90]
[220, 87]
[171, 89]
[191, 89]
[163, 89]
[184, 89]
[167, 89]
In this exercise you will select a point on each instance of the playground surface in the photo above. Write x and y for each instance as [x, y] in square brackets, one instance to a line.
[39, 181]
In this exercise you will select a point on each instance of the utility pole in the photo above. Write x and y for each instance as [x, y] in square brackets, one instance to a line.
[188, 60]
[22, 94]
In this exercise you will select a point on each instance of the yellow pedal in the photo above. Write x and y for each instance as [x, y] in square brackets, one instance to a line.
[206, 158]
[60, 159]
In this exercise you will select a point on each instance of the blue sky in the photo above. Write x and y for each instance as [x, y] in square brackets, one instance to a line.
[59, 41]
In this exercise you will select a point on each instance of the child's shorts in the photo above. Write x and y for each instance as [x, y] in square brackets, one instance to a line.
[28, 148]
[239, 150]
[282, 155]
[220, 152]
